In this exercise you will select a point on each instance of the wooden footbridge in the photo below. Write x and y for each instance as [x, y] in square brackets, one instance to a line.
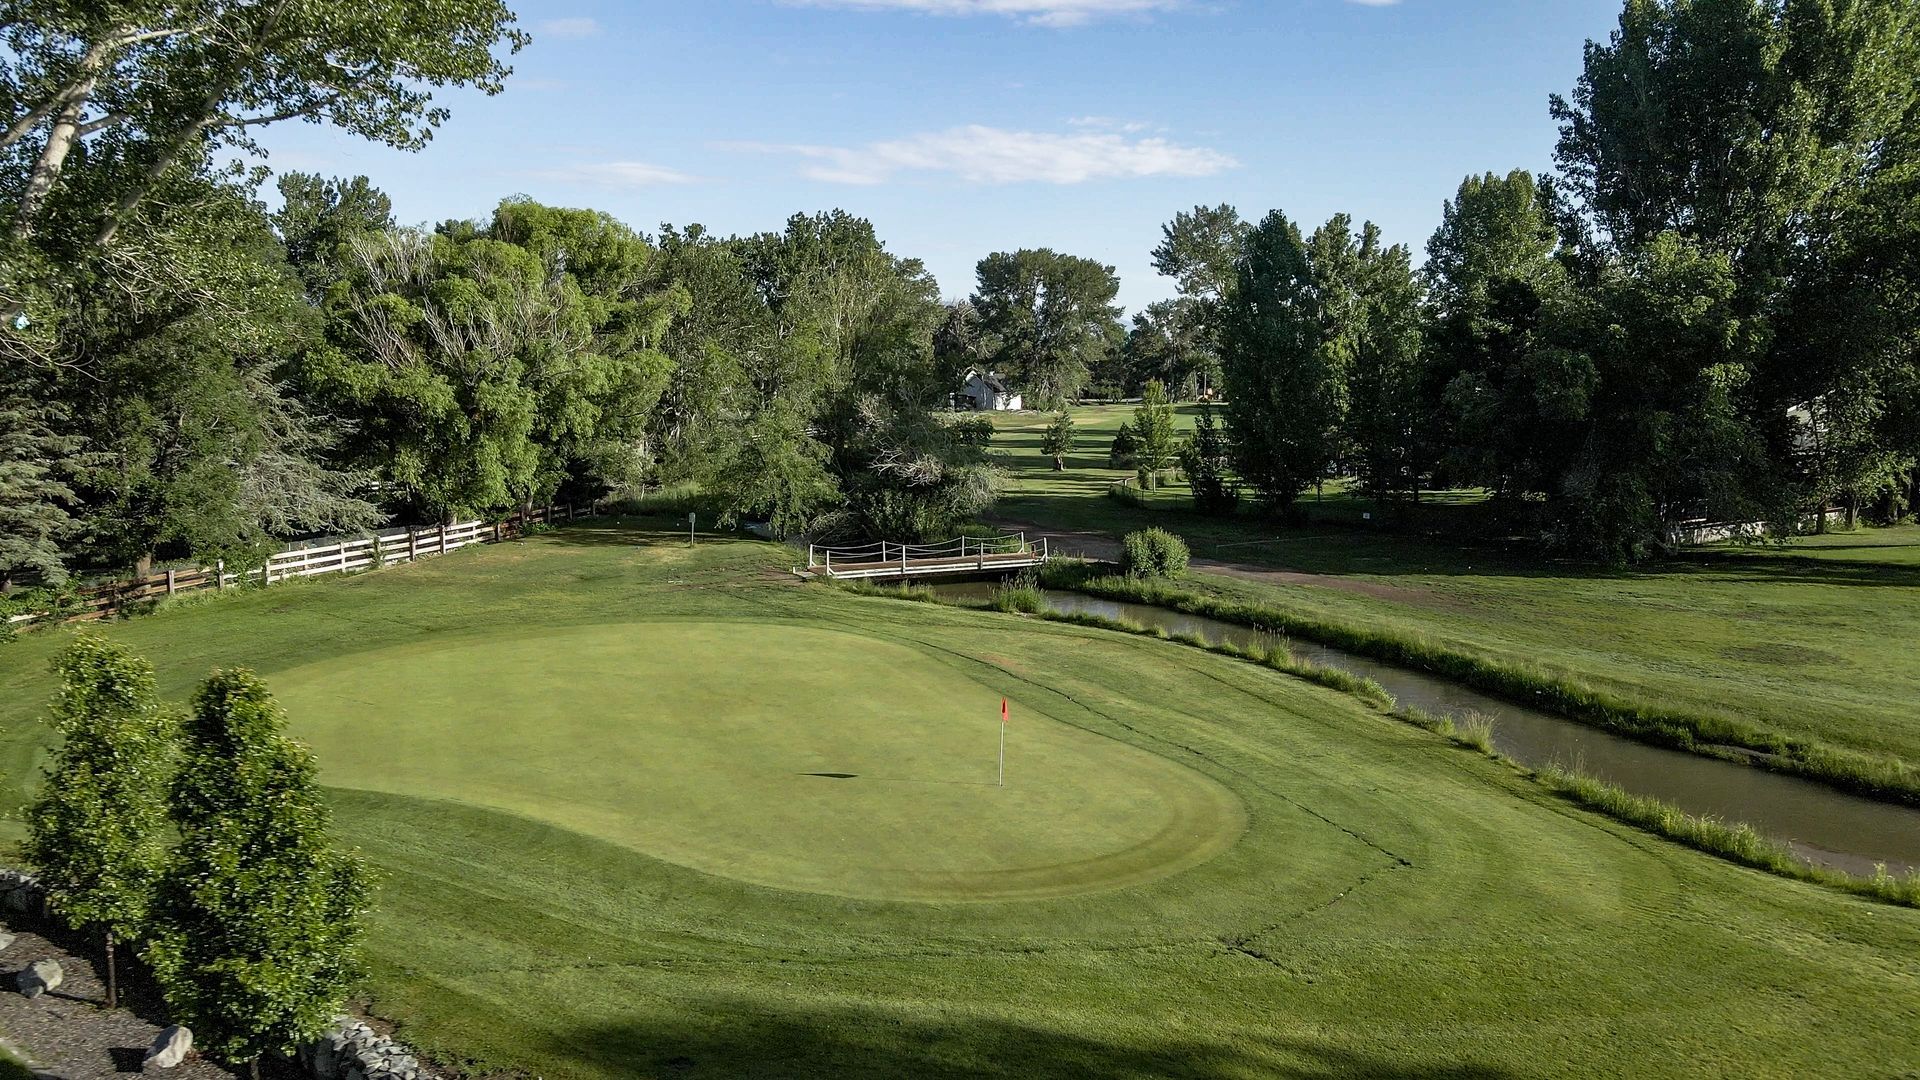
[886, 561]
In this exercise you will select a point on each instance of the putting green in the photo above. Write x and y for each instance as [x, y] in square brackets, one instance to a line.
[786, 756]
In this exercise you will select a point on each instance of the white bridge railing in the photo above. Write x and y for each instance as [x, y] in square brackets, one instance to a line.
[965, 555]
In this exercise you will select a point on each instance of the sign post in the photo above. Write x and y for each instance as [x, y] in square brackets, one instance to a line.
[690, 517]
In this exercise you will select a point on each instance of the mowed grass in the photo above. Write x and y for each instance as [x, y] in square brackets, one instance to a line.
[1389, 904]
[1814, 641]
[795, 767]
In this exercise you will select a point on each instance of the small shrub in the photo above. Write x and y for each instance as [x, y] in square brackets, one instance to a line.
[1126, 449]
[1153, 553]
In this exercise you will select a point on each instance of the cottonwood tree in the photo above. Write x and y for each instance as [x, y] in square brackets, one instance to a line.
[1048, 319]
[97, 831]
[257, 918]
[148, 85]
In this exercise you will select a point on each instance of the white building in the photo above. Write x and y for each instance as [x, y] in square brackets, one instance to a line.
[984, 391]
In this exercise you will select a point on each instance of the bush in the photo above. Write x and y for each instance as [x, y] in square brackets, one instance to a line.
[1126, 447]
[1153, 553]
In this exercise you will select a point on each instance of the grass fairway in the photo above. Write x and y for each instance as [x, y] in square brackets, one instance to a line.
[575, 761]
[1814, 641]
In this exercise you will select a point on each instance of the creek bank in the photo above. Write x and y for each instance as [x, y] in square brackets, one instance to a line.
[1823, 825]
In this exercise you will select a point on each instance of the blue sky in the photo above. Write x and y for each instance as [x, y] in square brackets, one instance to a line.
[962, 127]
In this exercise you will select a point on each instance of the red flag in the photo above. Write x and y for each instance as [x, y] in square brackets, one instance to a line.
[1003, 710]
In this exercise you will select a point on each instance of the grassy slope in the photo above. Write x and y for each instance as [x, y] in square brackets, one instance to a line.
[1395, 906]
[1814, 642]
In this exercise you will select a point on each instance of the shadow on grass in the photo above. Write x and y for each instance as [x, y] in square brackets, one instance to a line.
[846, 1042]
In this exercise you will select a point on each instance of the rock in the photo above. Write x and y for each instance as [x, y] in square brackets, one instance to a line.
[7, 940]
[169, 1048]
[40, 977]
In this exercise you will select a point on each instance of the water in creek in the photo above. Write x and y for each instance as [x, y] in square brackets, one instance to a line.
[1823, 825]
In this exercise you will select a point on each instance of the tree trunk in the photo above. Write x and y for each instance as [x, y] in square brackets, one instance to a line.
[113, 976]
[143, 565]
[1059, 464]
[1853, 510]
[53, 157]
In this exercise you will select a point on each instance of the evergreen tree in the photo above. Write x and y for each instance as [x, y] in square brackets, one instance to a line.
[1155, 446]
[37, 501]
[1208, 462]
[97, 831]
[257, 919]
[1059, 440]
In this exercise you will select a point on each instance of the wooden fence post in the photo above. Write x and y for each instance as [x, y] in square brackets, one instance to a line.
[219, 575]
[443, 538]
[169, 582]
[413, 544]
[496, 532]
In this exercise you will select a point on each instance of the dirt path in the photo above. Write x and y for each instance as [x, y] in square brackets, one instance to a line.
[68, 1034]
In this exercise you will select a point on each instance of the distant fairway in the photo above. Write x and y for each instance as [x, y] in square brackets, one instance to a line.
[781, 755]
[581, 763]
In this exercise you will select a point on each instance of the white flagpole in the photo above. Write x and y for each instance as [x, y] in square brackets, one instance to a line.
[1003, 749]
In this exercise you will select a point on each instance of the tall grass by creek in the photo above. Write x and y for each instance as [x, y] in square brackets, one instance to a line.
[1735, 842]
[1877, 776]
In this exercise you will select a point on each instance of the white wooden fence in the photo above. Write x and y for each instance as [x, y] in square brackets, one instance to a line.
[389, 547]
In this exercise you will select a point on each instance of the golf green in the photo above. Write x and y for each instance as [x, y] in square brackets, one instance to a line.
[809, 759]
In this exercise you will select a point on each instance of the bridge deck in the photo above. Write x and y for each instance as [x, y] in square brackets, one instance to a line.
[897, 561]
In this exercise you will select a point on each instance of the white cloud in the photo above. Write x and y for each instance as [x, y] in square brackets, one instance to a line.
[1038, 12]
[572, 29]
[985, 155]
[615, 174]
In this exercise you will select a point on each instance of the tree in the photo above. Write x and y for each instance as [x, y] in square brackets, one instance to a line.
[147, 86]
[1386, 412]
[1282, 400]
[1059, 439]
[1208, 462]
[770, 469]
[173, 348]
[97, 831]
[1155, 447]
[1200, 251]
[1774, 134]
[258, 919]
[1047, 319]
[317, 220]
[489, 367]
[1169, 342]
[37, 501]
[1496, 394]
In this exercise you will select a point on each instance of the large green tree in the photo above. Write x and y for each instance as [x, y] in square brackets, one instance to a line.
[146, 86]
[1048, 319]
[97, 831]
[317, 220]
[1282, 402]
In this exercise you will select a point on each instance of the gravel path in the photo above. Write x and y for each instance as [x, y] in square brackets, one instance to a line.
[69, 1034]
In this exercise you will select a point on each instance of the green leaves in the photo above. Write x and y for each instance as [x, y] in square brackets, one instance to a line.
[257, 922]
[96, 831]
